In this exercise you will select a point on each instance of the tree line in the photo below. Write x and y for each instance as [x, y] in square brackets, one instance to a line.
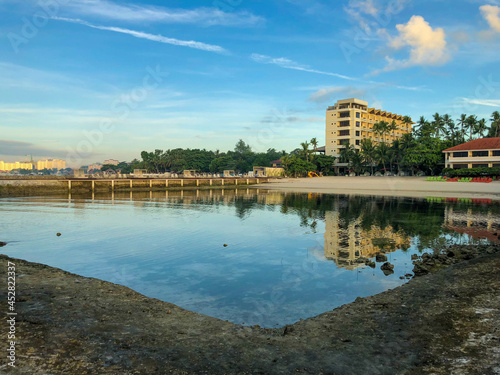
[420, 150]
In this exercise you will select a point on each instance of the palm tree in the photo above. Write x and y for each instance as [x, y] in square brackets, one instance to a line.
[368, 152]
[450, 128]
[346, 153]
[462, 121]
[382, 153]
[314, 143]
[481, 127]
[286, 161]
[395, 153]
[495, 125]
[305, 150]
[471, 125]
[381, 128]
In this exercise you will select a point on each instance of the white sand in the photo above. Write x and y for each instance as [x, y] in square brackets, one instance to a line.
[388, 186]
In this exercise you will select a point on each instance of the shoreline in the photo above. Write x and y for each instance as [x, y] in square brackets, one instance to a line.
[443, 322]
[413, 187]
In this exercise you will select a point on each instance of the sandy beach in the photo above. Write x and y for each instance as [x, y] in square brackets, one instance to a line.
[387, 186]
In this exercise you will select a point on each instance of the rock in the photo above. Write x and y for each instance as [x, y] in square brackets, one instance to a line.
[58, 234]
[225, 245]
[387, 266]
[414, 257]
[381, 258]
[2, 243]
[420, 270]
[371, 264]
[426, 256]
[387, 269]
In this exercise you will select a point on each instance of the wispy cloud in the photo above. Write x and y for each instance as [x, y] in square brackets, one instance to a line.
[155, 38]
[283, 62]
[286, 63]
[483, 102]
[142, 13]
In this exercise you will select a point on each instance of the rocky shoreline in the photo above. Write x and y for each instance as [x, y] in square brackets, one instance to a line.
[444, 322]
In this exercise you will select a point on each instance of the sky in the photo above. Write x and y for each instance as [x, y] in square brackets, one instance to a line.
[88, 80]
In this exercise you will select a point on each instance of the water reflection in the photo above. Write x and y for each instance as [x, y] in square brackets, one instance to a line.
[290, 256]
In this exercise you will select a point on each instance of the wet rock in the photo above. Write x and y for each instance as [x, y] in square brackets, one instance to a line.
[426, 256]
[387, 268]
[361, 260]
[371, 264]
[58, 234]
[381, 258]
[420, 269]
[225, 245]
[414, 257]
[2, 243]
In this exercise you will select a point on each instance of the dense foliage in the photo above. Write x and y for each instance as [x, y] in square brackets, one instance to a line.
[472, 172]
[421, 150]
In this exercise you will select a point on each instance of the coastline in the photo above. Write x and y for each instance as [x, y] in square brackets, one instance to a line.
[443, 322]
[414, 187]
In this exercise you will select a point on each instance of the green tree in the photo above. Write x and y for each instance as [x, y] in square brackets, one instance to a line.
[495, 125]
[368, 152]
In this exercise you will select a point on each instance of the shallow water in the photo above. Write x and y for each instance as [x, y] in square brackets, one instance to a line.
[288, 256]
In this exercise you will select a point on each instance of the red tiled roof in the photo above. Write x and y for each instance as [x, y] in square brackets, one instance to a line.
[478, 144]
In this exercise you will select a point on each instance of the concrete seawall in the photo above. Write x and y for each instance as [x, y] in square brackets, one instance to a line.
[47, 186]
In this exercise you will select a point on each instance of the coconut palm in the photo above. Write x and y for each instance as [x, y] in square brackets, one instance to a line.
[380, 128]
[471, 125]
[495, 125]
[462, 121]
[346, 153]
[314, 143]
[368, 152]
[382, 153]
[481, 127]
[305, 150]
[451, 129]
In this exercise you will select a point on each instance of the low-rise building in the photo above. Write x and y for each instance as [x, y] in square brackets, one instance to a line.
[111, 162]
[484, 152]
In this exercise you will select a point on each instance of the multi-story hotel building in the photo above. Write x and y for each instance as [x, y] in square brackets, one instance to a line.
[350, 121]
[50, 164]
[7, 167]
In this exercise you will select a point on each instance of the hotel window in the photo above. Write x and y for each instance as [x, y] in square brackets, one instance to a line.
[476, 154]
[460, 154]
[357, 133]
[358, 124]
[344, 124]
[344, 142]
[358, 115]
[343, 133]
[496, 153]
[357, 142]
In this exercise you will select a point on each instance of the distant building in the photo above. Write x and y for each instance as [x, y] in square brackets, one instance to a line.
[350, 121]
[50, 164]
[276, 163]
[484, 152]
[7, 167]
[111, 162]
[95, 166]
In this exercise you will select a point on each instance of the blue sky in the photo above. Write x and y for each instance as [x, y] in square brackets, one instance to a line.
[87, 80]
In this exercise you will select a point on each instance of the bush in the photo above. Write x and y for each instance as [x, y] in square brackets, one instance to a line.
[472, 172]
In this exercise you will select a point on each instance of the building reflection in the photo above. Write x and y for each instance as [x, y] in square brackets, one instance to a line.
[478, 225]
[346, 242]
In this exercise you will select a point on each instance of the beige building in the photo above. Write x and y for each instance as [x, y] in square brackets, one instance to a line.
[50, 164]
[111, 162]
[350, 121]
[7, 167]
[483, 152]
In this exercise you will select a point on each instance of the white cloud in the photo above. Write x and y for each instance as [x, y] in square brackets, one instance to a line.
[138, 13]
[492, 15]
[325, 95]
[428, 46]
[483, 102]
[286, 63]
[155, 38]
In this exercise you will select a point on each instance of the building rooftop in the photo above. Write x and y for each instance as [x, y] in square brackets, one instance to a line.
[478, 144]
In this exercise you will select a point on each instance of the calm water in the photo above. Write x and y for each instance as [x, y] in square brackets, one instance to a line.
[288, 256]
